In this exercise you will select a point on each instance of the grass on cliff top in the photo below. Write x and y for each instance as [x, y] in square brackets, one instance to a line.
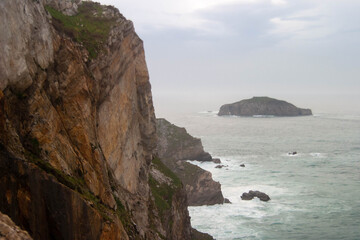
[163, 193]
[88, 27]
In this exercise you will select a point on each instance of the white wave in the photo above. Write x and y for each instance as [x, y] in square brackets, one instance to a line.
[318, 155]
[208, 112]
[263, 116]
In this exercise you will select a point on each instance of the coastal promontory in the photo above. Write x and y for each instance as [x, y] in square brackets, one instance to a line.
[264, 106]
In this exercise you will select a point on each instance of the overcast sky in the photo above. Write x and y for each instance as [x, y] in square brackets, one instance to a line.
[208, 52]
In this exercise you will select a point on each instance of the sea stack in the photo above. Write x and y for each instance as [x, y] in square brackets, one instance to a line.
[263, 106]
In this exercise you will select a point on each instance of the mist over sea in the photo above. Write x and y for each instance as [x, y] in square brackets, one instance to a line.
[314, 194]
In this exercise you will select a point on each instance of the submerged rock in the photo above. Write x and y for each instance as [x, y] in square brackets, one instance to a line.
[216, 160]
[251, 194]
[220, 166]
[262, 106]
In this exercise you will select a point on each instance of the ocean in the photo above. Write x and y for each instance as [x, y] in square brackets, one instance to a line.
[315, 194]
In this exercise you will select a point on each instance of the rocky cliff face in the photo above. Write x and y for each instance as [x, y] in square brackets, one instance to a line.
[8, 230]
[175, 145]
[77, 125]
[263, 106]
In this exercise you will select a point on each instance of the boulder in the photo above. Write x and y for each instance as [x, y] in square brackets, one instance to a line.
[251, 194]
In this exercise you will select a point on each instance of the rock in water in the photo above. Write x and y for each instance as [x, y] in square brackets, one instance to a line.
[251, 194]
[216, 160]
[263, 106]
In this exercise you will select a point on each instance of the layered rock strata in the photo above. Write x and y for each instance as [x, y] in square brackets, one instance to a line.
[263, 106]
[174, 147]
[77, 126]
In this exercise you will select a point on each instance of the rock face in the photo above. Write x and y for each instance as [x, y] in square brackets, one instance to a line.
[176, 145]
[8, 230]
[77, 124]
[263, 106]
[251, 194]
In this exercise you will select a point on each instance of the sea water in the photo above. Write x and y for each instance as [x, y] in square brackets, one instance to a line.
[315, 194]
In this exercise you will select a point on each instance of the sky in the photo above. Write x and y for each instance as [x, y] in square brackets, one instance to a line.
[205, 53]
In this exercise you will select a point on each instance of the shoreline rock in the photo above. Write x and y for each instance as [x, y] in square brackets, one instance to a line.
[174, 148]
[251, 194]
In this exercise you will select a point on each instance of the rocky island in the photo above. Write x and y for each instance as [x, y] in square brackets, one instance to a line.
[264, 106]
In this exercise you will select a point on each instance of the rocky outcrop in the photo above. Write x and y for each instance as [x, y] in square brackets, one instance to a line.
[251, 194]
[196, 235]
[263, 106]
[9, 231]
[77, 125]
[176, 145]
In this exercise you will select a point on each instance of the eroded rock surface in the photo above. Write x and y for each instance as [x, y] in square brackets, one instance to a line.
[175, 146]
[77, 125]
[9, 231]
[176, 143]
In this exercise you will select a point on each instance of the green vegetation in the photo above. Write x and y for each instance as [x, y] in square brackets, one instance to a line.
[88, 27]
[125, 219]
[162, 192]
[159, 165]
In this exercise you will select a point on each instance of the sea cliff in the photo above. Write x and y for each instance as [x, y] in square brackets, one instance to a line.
[174, 148]
[77, 123]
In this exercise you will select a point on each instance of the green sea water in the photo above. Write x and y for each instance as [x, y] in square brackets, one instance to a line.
[314, 194]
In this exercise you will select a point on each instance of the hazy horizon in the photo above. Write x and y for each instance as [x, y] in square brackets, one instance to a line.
[202, 54]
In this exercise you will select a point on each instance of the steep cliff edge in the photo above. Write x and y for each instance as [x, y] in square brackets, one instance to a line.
[175, 145]
[77, 125]
[263, 106]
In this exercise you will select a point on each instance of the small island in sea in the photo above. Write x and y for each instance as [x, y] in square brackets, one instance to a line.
[263, 106]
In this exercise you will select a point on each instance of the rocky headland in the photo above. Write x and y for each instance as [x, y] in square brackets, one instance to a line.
[78, 132]
[264, 106]
[175, 146]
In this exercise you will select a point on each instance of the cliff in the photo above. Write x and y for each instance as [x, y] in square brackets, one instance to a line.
[175, 142]
[77, 125]
[175, 145]
[263, 106]
[8, 230]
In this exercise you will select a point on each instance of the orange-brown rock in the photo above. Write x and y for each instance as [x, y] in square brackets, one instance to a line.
[77, 126]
